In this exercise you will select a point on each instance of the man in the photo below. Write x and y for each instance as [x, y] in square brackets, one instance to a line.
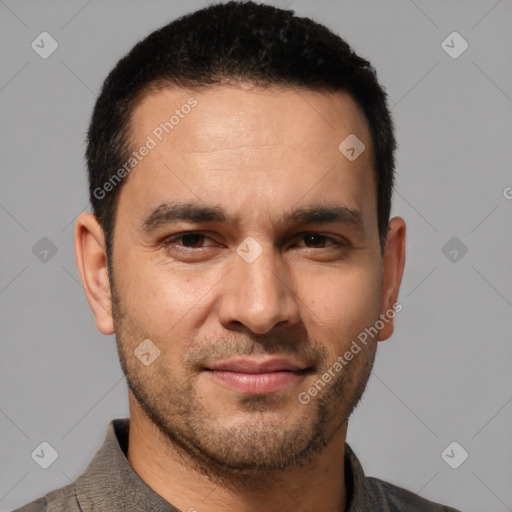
[241, 166]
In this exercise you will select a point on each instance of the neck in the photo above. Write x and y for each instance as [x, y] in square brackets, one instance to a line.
[169, 472]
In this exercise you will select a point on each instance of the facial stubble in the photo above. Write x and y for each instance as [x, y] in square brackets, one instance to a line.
[252, 452]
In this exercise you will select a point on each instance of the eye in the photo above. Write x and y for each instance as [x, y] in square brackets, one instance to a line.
[189, 240]
[317, 240]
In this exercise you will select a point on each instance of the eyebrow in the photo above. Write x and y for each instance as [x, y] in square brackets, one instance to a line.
[168, 213]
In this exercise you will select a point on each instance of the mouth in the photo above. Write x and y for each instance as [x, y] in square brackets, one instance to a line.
[257, 377]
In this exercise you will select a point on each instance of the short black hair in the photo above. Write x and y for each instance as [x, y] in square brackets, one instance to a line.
[230, 43]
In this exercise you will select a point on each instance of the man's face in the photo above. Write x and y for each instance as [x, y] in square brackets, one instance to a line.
[251, 306]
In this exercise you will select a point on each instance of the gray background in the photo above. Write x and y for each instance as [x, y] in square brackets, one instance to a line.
[444, 375]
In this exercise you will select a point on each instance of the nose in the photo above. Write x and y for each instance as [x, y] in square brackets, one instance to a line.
[259, 294]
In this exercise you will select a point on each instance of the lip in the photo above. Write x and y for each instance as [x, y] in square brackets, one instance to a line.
[257, 377]
[254, 366]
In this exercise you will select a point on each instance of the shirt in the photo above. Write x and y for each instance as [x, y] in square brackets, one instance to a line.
[110, 484]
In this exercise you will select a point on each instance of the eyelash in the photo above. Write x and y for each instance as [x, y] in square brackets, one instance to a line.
[166, 243]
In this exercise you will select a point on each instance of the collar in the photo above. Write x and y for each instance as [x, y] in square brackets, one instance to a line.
[110, 483]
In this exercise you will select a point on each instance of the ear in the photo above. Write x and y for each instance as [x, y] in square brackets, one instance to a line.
[91, 260]
[393, 269]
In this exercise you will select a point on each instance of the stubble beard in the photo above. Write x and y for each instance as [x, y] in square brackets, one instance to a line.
[250, 454]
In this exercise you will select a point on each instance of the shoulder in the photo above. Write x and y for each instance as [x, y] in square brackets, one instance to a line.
[59, 500]
[399, 499]
[38, 505]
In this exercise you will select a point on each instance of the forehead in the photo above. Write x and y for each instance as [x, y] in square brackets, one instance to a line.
[234, 143]
[221, 112]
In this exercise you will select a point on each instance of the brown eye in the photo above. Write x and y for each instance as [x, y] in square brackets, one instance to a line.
[317, 240]
[191, 239]
[188, 241]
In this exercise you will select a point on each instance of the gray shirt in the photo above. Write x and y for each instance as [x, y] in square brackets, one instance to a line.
[109, 483]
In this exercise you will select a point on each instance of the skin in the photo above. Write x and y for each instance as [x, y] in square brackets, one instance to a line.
[257, 153]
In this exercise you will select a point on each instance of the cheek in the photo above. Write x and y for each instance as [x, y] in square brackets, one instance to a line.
[342, 304]
[160, 300]
[164, 299]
